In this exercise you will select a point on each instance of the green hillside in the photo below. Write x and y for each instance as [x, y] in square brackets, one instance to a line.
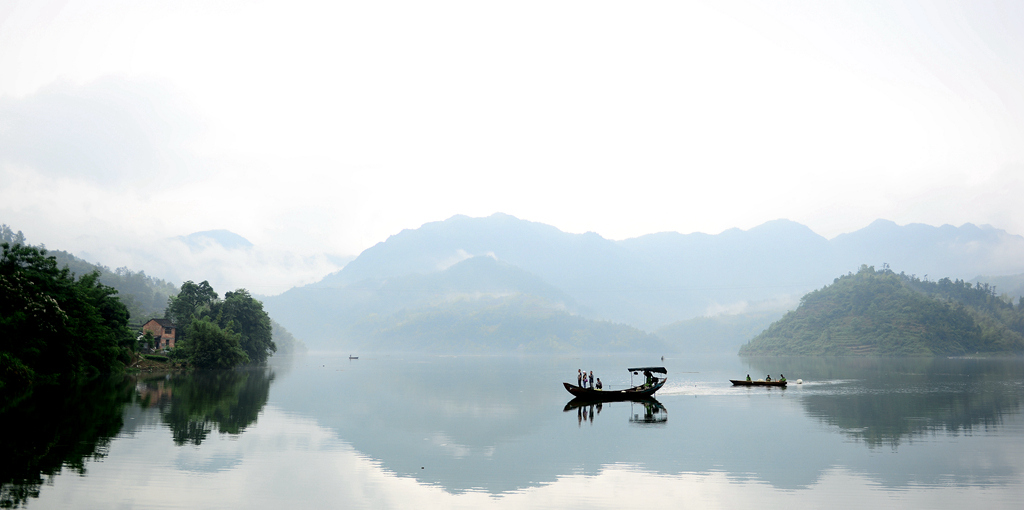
[883, 313]
[143, 295]
[518, 323]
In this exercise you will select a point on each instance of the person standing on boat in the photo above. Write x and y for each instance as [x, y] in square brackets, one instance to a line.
[579, 378]
[649, 378]
[748, 377]
[591, 383]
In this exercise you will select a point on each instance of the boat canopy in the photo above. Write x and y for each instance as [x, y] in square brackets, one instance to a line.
[657, 370]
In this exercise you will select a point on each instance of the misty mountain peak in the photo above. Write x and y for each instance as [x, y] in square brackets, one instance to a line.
[785, 230]
[223, 238]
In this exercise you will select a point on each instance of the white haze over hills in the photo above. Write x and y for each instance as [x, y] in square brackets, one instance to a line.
[318, 128]
[647, 282]
[225, 259]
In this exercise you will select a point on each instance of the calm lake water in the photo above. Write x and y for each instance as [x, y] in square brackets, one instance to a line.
[414, 431]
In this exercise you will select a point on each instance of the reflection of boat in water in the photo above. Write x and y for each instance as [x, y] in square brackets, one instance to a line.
[646, 390]
[654, 412]
[577, 403]
[758, 383]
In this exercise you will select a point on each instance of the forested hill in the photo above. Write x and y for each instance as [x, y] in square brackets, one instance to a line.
[143, 295]
[884, 313]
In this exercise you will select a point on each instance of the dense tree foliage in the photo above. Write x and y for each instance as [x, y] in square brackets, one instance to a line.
[881, 312]
[209, 346]
[238, 318]
[193, 300]
[52, 325]
[245, 316]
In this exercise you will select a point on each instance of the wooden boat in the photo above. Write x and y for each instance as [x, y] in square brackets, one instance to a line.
[638, 392]
[758, 383]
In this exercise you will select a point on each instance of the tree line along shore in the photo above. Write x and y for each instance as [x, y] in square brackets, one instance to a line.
[57, 327]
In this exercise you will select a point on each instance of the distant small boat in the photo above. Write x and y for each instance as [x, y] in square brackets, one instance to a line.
[353, 357]
[758, 383]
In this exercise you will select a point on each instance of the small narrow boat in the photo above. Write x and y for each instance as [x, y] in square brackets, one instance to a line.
[757, 383]
[641, 391]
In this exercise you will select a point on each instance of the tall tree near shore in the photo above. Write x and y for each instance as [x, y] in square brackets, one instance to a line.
[245, 316]
[191, 301]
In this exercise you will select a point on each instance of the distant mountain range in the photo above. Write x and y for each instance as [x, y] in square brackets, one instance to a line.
[647, 282]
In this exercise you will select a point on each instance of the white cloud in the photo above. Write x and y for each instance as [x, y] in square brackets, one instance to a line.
[110, 132]
[324, 127]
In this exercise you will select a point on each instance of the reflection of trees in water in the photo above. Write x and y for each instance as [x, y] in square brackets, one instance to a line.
[57, 427]
[887, 419]
[193, 404]
[63, 426]
[887, 401]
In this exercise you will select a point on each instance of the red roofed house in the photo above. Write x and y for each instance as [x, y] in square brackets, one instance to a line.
[163, 332]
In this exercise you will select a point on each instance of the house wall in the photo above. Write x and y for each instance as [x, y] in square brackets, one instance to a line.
[164, 336]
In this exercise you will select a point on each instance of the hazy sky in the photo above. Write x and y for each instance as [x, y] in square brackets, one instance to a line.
[324, 127]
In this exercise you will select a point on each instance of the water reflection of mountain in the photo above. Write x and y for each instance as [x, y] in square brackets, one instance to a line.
[463, 423]
[884, 402]
[498, 425]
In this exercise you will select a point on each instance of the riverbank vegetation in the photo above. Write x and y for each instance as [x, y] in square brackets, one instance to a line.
[59, 322]
[884, 313]
[220, 333]
[53, 326]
